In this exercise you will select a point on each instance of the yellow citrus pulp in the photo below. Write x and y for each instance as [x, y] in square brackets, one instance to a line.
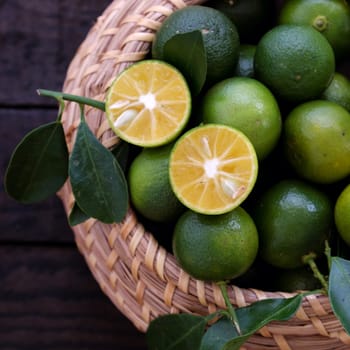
[213, 168]
[148, 104]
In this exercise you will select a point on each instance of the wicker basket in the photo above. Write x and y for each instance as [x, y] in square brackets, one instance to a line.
[138, 275]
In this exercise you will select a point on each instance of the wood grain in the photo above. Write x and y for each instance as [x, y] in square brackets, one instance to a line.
[38, 40]
[49, 300]
[48, 297]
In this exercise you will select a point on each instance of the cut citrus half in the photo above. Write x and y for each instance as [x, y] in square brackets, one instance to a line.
[149, 103]
[213, 168]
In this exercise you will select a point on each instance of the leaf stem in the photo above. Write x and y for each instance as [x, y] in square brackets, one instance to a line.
[60, 109]
[231, 310]
[74, 98]
[82, 116]
[310, 260]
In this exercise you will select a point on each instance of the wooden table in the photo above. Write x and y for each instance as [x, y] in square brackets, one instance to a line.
[48, 297]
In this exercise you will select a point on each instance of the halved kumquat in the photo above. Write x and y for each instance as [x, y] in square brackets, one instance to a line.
[149, 103]
[213, 168]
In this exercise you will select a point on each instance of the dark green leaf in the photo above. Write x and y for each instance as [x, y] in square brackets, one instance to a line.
[121, 152]
[98, 182]
[39, 165]
[77, 216]
[339, 287]
[187, 52]
[260, 313]
[257, 315]
[176, 332]
[218, 335]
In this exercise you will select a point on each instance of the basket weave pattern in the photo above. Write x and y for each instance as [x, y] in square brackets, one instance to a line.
[138, 275]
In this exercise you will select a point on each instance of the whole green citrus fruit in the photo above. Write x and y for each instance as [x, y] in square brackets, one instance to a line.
[293, 219]
[149, 185]
[247, 105]
[216, 247]
[220, 38]
[299, 279]
[296, 62]
[341, 214]
[331, 18]
[317, 141]
[338, 91]
[244, 13]
[245, 64]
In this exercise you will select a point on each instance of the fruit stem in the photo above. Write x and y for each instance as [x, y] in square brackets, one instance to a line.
[320, 23]
[310, 260]
[231, 310]
[328, 254]
[74, 98]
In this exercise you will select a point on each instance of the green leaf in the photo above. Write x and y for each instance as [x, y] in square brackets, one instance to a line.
[77, 216]
[187, 52]
[260, 313]
[176, 332]
[98, 182]
[339, 287]
[218, 335]
[39, 164]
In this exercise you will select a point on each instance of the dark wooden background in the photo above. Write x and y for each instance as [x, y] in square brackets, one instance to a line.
[48, 297]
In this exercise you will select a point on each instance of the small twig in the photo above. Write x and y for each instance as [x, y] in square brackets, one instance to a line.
[328, 254]
[310, 260]
[74, 98]
[231, 310]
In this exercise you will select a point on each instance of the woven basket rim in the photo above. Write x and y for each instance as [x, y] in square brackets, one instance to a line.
[138, 275]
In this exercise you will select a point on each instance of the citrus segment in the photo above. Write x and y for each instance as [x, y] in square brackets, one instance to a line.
[213, 168]
[148, 104]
